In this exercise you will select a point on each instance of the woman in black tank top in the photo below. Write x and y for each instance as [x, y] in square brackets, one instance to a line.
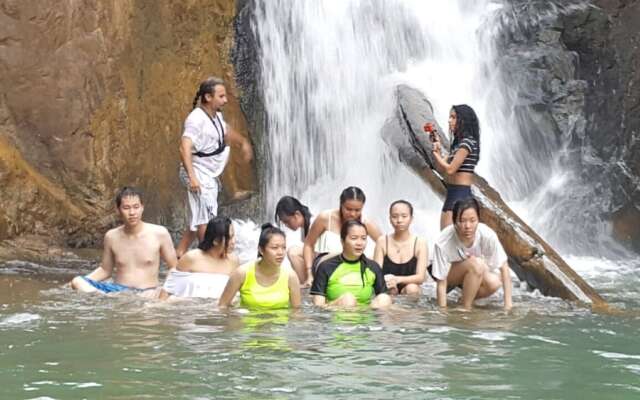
[403, 256]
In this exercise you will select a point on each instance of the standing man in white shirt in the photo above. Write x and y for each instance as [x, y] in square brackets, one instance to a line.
[469, 254]
[204, 151]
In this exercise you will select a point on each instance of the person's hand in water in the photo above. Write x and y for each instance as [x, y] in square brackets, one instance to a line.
[306, 284]
[391, 281]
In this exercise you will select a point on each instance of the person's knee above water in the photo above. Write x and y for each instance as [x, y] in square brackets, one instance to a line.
[463, 157]
[295, 215]
[324, 234]
[469, 254]
[132, 251]
[402, 255]
[264, 283]
[204, 151]
[350, 278]
[204, 272]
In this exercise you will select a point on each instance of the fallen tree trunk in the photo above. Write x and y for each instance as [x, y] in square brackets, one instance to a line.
[530, 257]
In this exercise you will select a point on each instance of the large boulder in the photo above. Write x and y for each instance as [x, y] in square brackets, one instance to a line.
[574, 66]
[93, 95]
[530, 257]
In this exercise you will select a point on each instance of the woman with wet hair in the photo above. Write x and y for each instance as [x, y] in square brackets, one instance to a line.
[403, 256]
[350, 278]
[469, 255]
[264, 284]
[463, 157]
[295, 215]
[204, 151]
[324, 234]
[204, 272]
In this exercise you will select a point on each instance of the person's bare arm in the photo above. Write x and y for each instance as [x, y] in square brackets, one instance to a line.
[378, 253]
[186, 147]
[105, 269]
[506, 285]
[442, 164]
[295, 298]
[373, 231]
[441, 293]
[167, 251]
[233, 286]
[318, 226]
[234, 139]
[422, 252]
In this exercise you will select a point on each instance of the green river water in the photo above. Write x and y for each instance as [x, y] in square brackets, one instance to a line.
[56, 344]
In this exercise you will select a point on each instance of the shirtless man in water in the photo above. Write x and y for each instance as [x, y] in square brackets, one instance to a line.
[133, 249]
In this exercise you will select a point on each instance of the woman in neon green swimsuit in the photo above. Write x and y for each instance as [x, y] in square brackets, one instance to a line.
[350, 278]
[264, 284]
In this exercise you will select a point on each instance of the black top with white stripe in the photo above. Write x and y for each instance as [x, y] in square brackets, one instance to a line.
[471, 160]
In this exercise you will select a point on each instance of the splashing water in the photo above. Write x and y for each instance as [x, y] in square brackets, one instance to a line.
[329, 71]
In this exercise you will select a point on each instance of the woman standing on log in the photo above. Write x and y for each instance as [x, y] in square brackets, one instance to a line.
[459, 165]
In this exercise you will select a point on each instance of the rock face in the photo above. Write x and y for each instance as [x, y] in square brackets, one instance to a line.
[531, 258]
[607, 41]
[93, 95]
[576, 66]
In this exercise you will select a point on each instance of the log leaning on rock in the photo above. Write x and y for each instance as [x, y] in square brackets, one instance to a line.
[530, 257]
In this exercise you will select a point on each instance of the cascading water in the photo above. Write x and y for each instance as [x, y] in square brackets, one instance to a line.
[329, 70]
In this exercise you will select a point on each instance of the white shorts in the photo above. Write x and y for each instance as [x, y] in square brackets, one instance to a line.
[202, 206]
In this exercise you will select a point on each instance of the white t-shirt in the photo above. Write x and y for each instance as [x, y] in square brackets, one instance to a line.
[448, 248]
[206, 134]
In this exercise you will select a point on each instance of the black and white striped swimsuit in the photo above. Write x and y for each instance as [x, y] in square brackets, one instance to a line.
[471, 160]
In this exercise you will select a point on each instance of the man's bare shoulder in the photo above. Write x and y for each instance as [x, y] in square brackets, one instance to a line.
[157, 230]
[113, 234]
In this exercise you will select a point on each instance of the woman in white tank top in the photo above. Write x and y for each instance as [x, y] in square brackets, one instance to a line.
[324, 234]
[204, 272]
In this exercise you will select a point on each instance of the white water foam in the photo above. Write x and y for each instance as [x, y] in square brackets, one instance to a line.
[19, 319]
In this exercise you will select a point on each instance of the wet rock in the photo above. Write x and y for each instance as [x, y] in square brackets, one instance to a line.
[93, 95]
[530, 257]
[577, 69]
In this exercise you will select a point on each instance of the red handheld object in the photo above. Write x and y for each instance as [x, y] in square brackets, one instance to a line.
[431, 130]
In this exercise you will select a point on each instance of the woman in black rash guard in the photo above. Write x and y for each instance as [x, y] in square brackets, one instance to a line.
[349, 279]
[460, 164]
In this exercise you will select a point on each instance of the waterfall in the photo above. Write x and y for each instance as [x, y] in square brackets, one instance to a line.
[329, 69]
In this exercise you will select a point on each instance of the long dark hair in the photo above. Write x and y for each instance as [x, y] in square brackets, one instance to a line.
[467, 124]
[218, 229]
[287, 206]
[207, 86]
[461, 206]
[351, 193]
[267, 231]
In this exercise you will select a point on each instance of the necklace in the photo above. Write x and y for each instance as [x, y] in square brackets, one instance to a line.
[400, 246]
